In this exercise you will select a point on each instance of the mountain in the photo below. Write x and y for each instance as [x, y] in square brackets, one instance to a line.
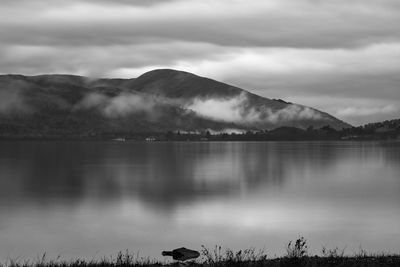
[157, 101]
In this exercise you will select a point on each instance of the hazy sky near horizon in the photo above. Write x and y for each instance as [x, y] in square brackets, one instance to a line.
[340, 56]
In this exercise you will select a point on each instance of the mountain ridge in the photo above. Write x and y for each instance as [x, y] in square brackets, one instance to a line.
[158, 100]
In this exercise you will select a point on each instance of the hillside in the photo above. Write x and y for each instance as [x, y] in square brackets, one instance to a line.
[157, 101]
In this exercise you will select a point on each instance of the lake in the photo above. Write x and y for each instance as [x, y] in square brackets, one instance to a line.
[93, 199]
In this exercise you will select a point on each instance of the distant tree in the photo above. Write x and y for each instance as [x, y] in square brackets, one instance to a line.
[170, 135]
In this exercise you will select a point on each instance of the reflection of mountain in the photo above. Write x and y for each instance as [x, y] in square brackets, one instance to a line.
[163, 174]
[72, 106]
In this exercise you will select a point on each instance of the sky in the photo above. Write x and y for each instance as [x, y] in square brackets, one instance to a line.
[339, 56]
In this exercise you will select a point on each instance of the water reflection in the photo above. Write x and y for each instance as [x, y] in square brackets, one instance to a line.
[162, 174]
[118, 195]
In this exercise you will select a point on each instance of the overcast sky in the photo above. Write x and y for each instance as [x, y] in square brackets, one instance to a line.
[340, 56]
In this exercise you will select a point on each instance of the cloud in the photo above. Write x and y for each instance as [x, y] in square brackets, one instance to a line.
[111, 61]
[292, 112]
[273, 23]
[354, 110]
[126, 104]
[366, 111]
[368, 114]
[92, 100]
[224, 109]
[307, 49]
[307, 64]
[12, 100]
[238, 110]
[117, 106]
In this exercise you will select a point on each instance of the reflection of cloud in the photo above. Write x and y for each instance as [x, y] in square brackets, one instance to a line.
[162, 176]
[115, 196]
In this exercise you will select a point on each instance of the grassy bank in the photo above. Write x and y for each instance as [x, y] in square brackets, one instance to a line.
[296, 255]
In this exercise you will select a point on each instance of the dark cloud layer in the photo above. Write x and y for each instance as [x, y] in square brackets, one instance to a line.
[339, 56]
[229, 23]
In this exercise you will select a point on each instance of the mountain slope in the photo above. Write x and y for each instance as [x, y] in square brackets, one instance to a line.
[158, 100]
[187, 86]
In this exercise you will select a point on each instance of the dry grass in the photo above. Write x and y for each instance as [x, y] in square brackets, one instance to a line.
[296, 255]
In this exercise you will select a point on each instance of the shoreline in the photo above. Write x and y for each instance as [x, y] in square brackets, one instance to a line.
[296, 255]
[126, 259]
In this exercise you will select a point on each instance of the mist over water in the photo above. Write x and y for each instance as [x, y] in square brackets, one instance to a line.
[92, 199]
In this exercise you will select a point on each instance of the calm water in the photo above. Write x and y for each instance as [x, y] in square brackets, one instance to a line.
[92, 199]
